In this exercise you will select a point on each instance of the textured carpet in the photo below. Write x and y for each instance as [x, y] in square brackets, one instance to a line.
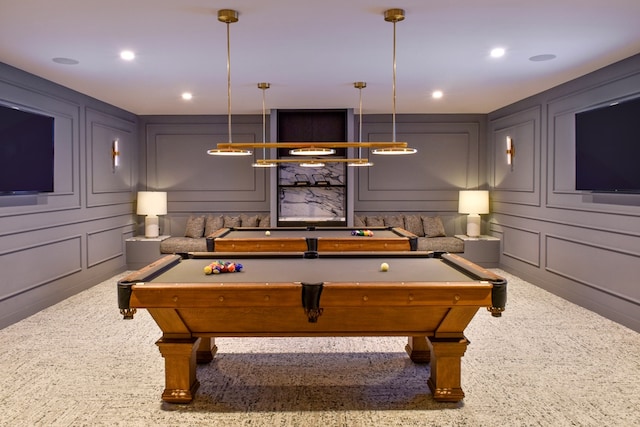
[546, 362]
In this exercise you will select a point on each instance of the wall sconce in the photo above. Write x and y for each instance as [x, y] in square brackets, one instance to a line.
[473, 203]
[152, 204]
[115, 154]
[511, 151]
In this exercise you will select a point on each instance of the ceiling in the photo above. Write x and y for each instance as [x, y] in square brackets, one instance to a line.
[311, 52]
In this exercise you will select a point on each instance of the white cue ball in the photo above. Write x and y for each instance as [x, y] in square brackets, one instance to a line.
[267, 233]
[384, 266]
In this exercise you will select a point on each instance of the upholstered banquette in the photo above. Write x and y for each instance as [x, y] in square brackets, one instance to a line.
[435, 232]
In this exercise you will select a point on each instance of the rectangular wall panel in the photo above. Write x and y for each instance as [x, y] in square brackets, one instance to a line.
[521, 244]
[103, 245]
[609, 270]
[109, 184]
[520, 181]
[31, 267]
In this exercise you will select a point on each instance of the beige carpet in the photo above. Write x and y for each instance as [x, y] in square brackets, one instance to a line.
[546, 362]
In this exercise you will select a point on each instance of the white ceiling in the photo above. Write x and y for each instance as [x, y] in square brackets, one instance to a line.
[312, 51]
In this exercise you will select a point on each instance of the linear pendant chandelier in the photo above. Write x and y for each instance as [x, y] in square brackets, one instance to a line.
[306, 153]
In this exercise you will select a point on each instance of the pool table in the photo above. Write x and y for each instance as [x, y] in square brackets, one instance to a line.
[429, 299]
[300, 239]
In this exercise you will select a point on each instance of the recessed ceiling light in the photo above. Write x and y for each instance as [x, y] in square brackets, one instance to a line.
[65, 61]
[497, 52]
[544, 57]
[187, 96]
[127, 55]
[437, 94]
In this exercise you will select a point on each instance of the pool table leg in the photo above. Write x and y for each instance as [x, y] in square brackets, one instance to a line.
[206, 350]
[446, 358]
[179, 369]
[418, 350]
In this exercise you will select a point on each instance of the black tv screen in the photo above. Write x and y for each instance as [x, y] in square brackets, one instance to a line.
[26, 152]
[608, 148]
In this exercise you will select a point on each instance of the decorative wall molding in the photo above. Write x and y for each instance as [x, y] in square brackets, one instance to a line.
[566, 257]
[520, 181]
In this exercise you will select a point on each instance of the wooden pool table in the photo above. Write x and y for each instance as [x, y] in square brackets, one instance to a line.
[430, 300]
[300, 239]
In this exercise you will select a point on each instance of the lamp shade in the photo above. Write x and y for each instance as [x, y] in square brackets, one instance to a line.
[152, 203]
[473, 202]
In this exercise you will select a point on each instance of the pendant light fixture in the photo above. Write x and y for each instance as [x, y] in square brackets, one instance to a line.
[360, 161]
[228, 17]
[309, 149]
[265, 162]
[394, 16]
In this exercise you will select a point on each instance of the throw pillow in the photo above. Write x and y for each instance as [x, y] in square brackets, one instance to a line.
[195, 227]
[265, 221]
[375, 221]
[213, 223]
[249, 221]
[231, 221]
[433, 226]
[413, 224]
[394, 221]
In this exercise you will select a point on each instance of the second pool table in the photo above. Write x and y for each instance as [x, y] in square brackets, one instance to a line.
[429, 300]
[300, 239]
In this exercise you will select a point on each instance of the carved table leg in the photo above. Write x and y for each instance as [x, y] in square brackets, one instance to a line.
[206, 350]
[446, 361]
[179, 369]
[418, 350]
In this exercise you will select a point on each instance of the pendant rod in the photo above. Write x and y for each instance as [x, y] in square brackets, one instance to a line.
[393, 119]
[229, 81]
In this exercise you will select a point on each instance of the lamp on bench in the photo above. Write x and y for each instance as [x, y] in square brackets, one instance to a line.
[474, 203]
[152, 204]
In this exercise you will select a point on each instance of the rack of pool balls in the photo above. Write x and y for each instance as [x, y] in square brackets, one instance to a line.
[218, 267]
[367, 233]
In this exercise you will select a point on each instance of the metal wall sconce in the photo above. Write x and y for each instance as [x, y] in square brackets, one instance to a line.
[115, 154]
[511, 151]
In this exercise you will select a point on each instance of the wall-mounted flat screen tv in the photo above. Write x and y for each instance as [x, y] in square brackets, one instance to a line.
[608, 148]
[26, 152]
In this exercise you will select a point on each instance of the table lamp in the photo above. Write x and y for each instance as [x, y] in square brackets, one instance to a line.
[152, 204]
[473, 203]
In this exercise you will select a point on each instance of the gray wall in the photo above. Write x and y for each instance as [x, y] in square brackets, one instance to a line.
[55, 245]
[173, 159]
[451, 156]
[583, 247]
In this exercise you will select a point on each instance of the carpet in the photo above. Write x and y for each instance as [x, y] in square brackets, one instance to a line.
[546, 362]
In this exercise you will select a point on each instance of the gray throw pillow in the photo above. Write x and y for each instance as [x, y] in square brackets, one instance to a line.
[375, 221]
[195, 227]
[249, 221]
[394, 221]
[231, 221]
[413, 224]
[433, 226]
[213, 223]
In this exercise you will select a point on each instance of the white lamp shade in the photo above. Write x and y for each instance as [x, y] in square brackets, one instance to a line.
[152, 203]
[473, 202]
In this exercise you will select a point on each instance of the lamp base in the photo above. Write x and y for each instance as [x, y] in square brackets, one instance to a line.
[473, 225]
[151, 226]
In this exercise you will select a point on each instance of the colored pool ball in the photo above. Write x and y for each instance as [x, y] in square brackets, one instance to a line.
[384, 266]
